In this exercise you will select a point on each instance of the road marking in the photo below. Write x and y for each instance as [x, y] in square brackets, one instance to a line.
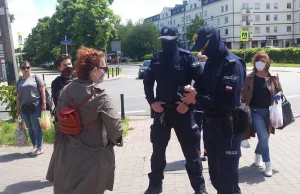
[131, 76]
[134, 111]
[294, 96]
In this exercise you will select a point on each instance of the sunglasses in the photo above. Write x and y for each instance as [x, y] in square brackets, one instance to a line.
[105, 69]
[26, 67]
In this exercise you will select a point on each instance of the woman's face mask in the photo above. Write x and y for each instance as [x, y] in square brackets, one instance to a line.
[202, 64]
[99, 79]
[260, 66]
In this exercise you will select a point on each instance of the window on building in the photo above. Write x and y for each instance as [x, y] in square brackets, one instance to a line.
[166, 14]
[174, 22]
[226, 7]
[205, 13]
[226, 31]
[187, 18]
[275, 17]
[226, 20]
[245, 5]
[268, 6]
[257, 6]
[275, 5]
[195, 5]
[182, 28]
[289, 6]
[268, 29]
[182, 19]
[275, 43]
[222, 9]
[171, 22]
[289, 17]
[275, 29]
[267, 17]
[191, 7]
[168, 22]
[257, 30]
[289, 28]
[257, 18]
[218, 21]
[178, 26]
[245, 18]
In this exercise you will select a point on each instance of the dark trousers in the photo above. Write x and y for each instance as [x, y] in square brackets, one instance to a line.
[224, 152]
[200, 120]
[188, 135]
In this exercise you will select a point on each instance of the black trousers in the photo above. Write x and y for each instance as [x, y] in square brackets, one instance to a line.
[201, 122]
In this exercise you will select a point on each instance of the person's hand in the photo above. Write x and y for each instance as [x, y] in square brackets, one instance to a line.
[182, 108]
[156, 106]
[44, 107]
[276, 98]
[190, 96]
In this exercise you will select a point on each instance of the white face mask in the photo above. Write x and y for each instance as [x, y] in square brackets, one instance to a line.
[101, 79]
[260, 66]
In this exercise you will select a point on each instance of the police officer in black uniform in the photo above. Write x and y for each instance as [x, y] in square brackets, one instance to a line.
[219, 95]
[172, 69]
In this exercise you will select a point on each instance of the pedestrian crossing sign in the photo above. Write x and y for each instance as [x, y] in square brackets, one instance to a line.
[244, 36]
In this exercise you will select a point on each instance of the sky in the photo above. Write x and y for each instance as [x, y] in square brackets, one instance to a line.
[27, 12]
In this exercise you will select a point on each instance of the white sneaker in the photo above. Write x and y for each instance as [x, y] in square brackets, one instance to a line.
[258, 160]
[269, 170]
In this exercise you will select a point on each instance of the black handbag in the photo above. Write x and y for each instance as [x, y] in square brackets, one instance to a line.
[28, 108]
[287, 113]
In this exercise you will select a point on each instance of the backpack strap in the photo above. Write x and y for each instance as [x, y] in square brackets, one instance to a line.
[82, 103]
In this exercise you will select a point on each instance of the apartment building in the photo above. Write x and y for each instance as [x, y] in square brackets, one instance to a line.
[269, 22]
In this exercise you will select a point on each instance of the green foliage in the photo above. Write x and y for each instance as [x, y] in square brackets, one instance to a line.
[8, 97]
[148, 56]
[126, 127]
[85, 22]
[139, 39]
[197, 23]
[282, 55]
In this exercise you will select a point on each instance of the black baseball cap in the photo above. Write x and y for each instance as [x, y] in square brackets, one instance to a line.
[202, 36]
[169, 33]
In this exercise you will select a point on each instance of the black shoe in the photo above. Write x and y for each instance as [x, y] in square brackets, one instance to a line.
[153, 190]
[203, 191]
[203, 158]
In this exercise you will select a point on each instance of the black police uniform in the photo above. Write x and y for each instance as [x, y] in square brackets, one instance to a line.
[170, 70]
[219, 93]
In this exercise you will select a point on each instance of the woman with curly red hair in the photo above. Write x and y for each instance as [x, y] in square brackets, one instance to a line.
[85, 163]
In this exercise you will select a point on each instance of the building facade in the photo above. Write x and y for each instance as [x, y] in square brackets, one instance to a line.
[269, 22]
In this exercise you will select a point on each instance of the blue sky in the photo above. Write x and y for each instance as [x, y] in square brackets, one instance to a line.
[27, 12]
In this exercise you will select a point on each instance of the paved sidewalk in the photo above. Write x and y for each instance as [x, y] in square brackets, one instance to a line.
[20, 173]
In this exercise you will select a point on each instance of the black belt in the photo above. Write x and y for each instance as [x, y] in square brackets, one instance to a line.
[169, 105]
[217, 119]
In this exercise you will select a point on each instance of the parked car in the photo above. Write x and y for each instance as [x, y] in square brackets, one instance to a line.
[143, 69]
[126, 59]
[47, 65]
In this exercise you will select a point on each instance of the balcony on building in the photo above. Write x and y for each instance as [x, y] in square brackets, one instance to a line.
[247, 23]
[247, 11]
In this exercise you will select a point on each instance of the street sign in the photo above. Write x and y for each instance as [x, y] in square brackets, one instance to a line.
[116, 46]
[20, 40]
[66, 43]
[244, 36]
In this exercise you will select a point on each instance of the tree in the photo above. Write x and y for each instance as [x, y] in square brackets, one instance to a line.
[85, 22]
[139, 39]
[197, 23]
[11, 18]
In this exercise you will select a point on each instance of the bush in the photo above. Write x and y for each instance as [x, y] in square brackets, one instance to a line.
[8, 97]
[281, 55]
[148, 57]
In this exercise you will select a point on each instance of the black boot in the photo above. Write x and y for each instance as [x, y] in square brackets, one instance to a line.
[203, 191]
[153, 190]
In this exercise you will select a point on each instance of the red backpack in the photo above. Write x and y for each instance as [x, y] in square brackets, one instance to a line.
[68, 118]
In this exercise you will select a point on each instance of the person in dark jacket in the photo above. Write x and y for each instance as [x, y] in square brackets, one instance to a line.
[172, 69]
[219, 94]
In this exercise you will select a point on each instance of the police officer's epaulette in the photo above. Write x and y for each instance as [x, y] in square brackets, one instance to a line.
[230, 60]
[184, 51]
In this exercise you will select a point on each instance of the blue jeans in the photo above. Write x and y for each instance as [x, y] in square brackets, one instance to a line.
[33, 125]
[260, 117]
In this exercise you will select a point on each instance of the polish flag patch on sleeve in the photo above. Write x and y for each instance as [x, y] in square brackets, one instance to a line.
[228, 89]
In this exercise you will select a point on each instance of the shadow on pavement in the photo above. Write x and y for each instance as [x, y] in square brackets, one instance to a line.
[252, 175]
[175, 166]
[12, 157]
[26, 186]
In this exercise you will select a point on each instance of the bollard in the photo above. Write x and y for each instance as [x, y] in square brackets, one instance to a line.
[117, 71]
[122, 107]
[112, 72]
[44, 77]
[108, 73]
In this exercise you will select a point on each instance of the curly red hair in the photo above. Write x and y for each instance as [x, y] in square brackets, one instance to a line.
[86, 60]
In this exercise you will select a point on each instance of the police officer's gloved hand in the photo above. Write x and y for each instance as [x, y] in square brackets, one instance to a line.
[276, 98]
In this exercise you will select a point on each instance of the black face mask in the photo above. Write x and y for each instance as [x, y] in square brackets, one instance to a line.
[67, 72]
[169, 46]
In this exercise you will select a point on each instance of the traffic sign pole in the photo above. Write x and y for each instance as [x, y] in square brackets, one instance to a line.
[66, 45]
[244, 37]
